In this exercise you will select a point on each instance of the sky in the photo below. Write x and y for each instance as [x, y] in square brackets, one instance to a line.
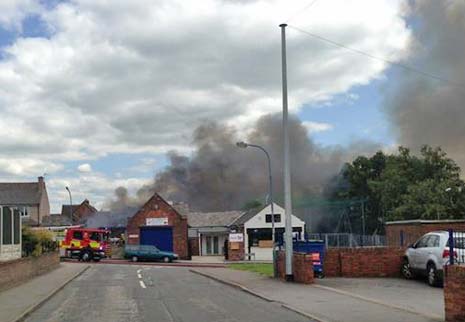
[93, 93]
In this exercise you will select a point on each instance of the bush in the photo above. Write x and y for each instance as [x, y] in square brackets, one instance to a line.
[37, 242]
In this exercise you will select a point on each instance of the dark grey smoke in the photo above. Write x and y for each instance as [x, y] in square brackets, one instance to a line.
[427, 111]
[221, 176]
[121, 207]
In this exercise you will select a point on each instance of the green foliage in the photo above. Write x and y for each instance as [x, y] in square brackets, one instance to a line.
[252, 204]
[404, 186]
[37, 242]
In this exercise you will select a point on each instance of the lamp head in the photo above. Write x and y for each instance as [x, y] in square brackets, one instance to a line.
[241, 144]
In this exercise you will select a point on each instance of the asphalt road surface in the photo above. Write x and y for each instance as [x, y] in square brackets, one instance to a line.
[132, 293]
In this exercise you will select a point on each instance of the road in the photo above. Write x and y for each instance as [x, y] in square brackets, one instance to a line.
[133, 293]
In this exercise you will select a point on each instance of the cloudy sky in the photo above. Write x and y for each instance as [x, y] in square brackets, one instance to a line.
[95, 92]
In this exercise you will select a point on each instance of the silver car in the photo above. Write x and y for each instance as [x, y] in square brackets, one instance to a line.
[428, 255]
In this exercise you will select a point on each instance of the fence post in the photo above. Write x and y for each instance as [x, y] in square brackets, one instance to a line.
[401, 238]
[451, 247]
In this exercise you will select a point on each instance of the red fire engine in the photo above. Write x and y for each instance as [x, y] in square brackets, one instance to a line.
[86, 244]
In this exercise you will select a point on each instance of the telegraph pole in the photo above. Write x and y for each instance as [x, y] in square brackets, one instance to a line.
[287, 172]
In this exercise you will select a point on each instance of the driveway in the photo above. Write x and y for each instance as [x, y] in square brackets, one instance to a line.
[414, 295]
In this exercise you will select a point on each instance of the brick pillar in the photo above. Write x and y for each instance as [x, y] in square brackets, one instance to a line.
[302, 267]
[454, 293]
[236, 251]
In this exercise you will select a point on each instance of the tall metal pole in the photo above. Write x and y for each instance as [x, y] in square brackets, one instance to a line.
[287, 173]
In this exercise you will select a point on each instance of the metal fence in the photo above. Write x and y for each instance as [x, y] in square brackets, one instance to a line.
[348, 240]
[456, 247]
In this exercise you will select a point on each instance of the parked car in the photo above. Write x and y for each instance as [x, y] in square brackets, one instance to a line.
[429, 254]
[148, 252]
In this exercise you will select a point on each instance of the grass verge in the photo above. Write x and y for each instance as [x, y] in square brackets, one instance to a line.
[261, 268]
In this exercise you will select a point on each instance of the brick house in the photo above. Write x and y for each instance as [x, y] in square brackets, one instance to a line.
[30, 198]
[159, 223]
[78, 213]
[405, 232]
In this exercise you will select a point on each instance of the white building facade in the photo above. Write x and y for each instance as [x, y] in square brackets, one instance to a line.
[258, 231]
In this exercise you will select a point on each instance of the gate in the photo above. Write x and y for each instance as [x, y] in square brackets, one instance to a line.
[456, 247]
[159, 236]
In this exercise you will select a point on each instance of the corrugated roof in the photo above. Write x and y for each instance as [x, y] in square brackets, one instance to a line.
[19, 193]
[212, 219]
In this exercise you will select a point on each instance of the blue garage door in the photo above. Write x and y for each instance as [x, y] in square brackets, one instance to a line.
[162, 237]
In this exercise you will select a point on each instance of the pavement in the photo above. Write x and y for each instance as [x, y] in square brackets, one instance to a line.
[338, 299]
[136, 293]
[18, 302]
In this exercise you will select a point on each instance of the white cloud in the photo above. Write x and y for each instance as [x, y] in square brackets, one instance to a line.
[85, 167]
[315, 127]
[12, 12]
[137, 76]
[96, 187]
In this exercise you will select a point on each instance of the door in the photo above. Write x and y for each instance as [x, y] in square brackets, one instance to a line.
[419, 252]
[427, 252]
[159, 236]
[212, 245]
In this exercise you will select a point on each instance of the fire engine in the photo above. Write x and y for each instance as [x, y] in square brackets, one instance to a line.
[85, 244]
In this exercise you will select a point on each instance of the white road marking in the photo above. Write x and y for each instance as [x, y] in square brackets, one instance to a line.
[138, 275]
[142, 284]
[138, 271]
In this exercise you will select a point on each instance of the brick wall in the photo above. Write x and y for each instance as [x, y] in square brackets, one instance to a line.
[156, 207]
[194, 246]
[363, 262]
[236, 254]
[454, 293]
[414, 229]
[20, 270]
[302, 267]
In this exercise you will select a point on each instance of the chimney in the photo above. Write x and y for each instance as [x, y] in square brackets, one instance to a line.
[41, 183]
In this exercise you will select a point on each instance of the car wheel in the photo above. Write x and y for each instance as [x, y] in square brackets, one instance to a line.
[406, 270]
[432, 272]
[166, 259]
[134, 258]
[86, 256]
[96, 259]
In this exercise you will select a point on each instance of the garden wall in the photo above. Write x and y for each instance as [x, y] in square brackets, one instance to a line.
[363, 262]
[20, 270]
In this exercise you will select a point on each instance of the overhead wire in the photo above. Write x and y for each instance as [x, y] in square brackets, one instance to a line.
[298, 13]
[382, 59]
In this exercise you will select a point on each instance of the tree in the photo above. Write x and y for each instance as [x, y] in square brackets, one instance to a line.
[405, 186]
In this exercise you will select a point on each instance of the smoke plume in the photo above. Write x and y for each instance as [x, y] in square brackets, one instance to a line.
[423, 110]
[221, 176]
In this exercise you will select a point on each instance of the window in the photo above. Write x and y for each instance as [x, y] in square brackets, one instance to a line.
[77, 235]
[277, 218]
[422, 242]
[6, 231]
[95, 236]
[433, 241]
[16, 225]
[24, 212]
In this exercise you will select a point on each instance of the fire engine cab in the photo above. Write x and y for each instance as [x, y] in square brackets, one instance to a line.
[85, 244]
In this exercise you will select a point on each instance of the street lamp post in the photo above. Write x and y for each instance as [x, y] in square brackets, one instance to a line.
[270, 177]
[70, 204]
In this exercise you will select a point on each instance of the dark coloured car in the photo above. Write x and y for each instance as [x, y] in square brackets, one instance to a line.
[148, 253]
